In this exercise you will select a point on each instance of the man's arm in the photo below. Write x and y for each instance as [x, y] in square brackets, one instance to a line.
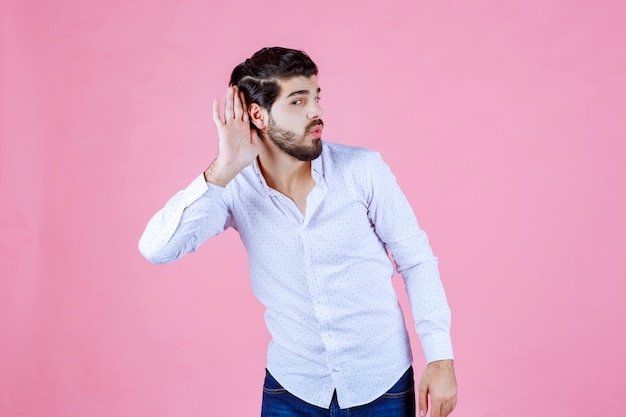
[396, 225]
[188, 219]
[199, 211]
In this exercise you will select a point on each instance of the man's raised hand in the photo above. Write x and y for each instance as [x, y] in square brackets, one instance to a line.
[238, 145]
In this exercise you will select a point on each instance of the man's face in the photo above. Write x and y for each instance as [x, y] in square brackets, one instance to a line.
[295, 124]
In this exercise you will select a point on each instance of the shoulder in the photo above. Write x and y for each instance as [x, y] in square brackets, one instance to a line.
[348, 156]
[247, 184]
[352, 168]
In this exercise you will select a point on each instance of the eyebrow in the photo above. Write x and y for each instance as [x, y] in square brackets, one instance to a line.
[301, 92]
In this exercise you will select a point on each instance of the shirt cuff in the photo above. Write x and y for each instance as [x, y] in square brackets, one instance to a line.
[437, 347]
[198, 188]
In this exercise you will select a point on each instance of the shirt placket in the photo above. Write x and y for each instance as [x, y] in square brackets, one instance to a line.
[321, 308]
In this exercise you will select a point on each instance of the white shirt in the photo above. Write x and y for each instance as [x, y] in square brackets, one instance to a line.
[324, 277]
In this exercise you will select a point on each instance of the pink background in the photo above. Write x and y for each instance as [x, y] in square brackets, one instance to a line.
[504, 121]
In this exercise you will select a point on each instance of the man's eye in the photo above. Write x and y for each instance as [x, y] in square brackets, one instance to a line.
[297, 102]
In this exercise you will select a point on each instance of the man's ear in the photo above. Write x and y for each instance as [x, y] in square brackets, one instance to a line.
[258, 116]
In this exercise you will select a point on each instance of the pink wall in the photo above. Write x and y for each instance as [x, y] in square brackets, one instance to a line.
[505, 122]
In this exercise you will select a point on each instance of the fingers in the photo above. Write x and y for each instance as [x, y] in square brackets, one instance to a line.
[229, 112]
[234, 108]
[217, 119]
[442, 408]
[238, 106]
[434, 410]
[447, 408]
[244, 106]
[422, 401]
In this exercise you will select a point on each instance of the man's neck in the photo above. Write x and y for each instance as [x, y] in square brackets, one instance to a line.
[283, 172]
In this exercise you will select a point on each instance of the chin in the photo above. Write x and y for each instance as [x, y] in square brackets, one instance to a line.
[311, 153]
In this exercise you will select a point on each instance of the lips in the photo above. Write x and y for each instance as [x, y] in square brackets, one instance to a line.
[316, 131]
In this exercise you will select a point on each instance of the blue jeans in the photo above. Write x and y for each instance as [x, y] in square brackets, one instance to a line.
[399, 401]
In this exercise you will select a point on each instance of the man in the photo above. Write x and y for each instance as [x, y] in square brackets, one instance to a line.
[319, 222]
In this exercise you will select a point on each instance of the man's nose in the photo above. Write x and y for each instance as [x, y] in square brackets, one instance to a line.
[315, 110]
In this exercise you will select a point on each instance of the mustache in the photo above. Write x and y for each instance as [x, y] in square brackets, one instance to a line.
[314, 123]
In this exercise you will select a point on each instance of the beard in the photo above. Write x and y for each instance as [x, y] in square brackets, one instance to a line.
[295, 145]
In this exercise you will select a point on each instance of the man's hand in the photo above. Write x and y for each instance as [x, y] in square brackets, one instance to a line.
[439, 383]
[238, 145]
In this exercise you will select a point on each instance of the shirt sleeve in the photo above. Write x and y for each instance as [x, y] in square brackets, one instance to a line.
[188, 219]
[397, 227]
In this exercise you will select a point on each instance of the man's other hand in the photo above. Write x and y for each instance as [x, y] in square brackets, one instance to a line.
[439, 383]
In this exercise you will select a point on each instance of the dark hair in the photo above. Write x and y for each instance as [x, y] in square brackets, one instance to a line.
[257, 77]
